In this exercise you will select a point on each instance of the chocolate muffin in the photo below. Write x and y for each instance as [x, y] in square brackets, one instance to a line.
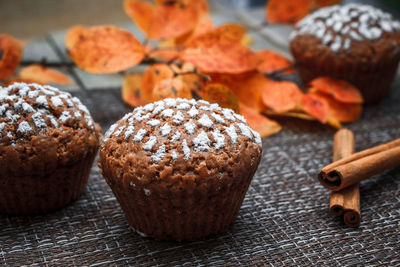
[180, 168]
[356, 43]
[48, 142]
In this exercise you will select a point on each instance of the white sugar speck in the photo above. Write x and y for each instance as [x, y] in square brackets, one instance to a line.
[186, 150]
[42, 101]
[170, 102]
[201, 101]
[217, 118]
[56, 101]
[53, 120]
[205, 108]
[167, 112]
[160, 154]
[139, 135]
[201, 142]
[193, 112]
[149, 107]
[3, 109]
[77, 115]
[219, 139]
[150, 143]
[2, 126]
[65, 116]
[231, 131]
[178, 118]
[174, 155]
[165, 129]
[158, 108]
[146, 191]
[129, 131]
[27, 108]
[175, 137]
[205, 121]
[153, 122]
[228, 113]
[33, 94]
[24, 128]
[246, 131]
[190, 127]
[257, 137]
[183, 106]
[240, 117]
[119, 130]
[38, 120]
[110, 131]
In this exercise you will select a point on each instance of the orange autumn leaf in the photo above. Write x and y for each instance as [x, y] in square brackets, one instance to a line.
[281, 96]
[247, 87]
[343, 112]
[288, 11]
[141, 12]
[103, 49]
[171, 88]
[153, 75]
[258, 122]
[131, 90]
[10, 55]
[220, 94]
[167, 19]
[43, 75]
[204, 24]
[340, 90]
[166, 53]
[271, 61]
[316, 106]
[220, 51]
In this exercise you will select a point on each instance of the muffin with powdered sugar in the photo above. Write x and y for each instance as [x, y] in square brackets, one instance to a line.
[180, 168]
[48, 142]
[357, 43]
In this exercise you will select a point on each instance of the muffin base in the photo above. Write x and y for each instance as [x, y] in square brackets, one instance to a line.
[30, 195]
[181, 217]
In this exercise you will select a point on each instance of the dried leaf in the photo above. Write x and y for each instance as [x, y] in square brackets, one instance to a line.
[272, 61]
[103, 49]
[343, 112]
[340, 90]
[247, 87]
[220, 51]
[140, 12]
[162, 52]
[293, 114]
[171, 88]
[288, 11]
[10, 55]
[153, 75]
[258, 122]
[221, 94]
[281, 96]
[316, 106]
[204, 24]
[131, 90]
[43, 75]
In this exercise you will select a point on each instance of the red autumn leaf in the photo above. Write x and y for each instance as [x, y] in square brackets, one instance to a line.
[323, 3]
[288, 11]
[258, 122]
[340, 90]
[316, 106]
[343, 112]
[103, 49]
[247, 87]
[221, 94]
[168, 19]
[131, 90]
[43, 75]
[153, 75]
[271, 61]
[10, 55]
[281, 96]
[171, 88]
[220, 51]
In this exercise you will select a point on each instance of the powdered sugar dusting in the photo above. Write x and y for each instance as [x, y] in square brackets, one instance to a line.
[139, 135]
[153, 122]
[193, 112]
[167, 113]
[165, 129]
[219, 139]
[228, 113]
[56, 101]
[24, 128]
[178, 118]
[160, 154]
[175, 137]
[129, 131]
[186, 150]
[201, 142]
[205, 121]
[150, 144]
[231, 132]
[190, 127]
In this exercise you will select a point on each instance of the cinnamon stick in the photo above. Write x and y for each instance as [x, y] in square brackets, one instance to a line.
[359, 166]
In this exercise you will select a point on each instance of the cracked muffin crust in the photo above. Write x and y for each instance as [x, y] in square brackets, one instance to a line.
[357, 43]
[48, 142]
[180, 168]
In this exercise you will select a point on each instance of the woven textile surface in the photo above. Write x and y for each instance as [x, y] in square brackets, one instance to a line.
[284, 219]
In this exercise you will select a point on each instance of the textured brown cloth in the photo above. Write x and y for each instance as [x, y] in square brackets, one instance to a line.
[284, 218]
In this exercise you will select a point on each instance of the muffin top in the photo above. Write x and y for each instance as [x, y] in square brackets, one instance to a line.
[178, 137]
[27, 110]
[342, 27]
